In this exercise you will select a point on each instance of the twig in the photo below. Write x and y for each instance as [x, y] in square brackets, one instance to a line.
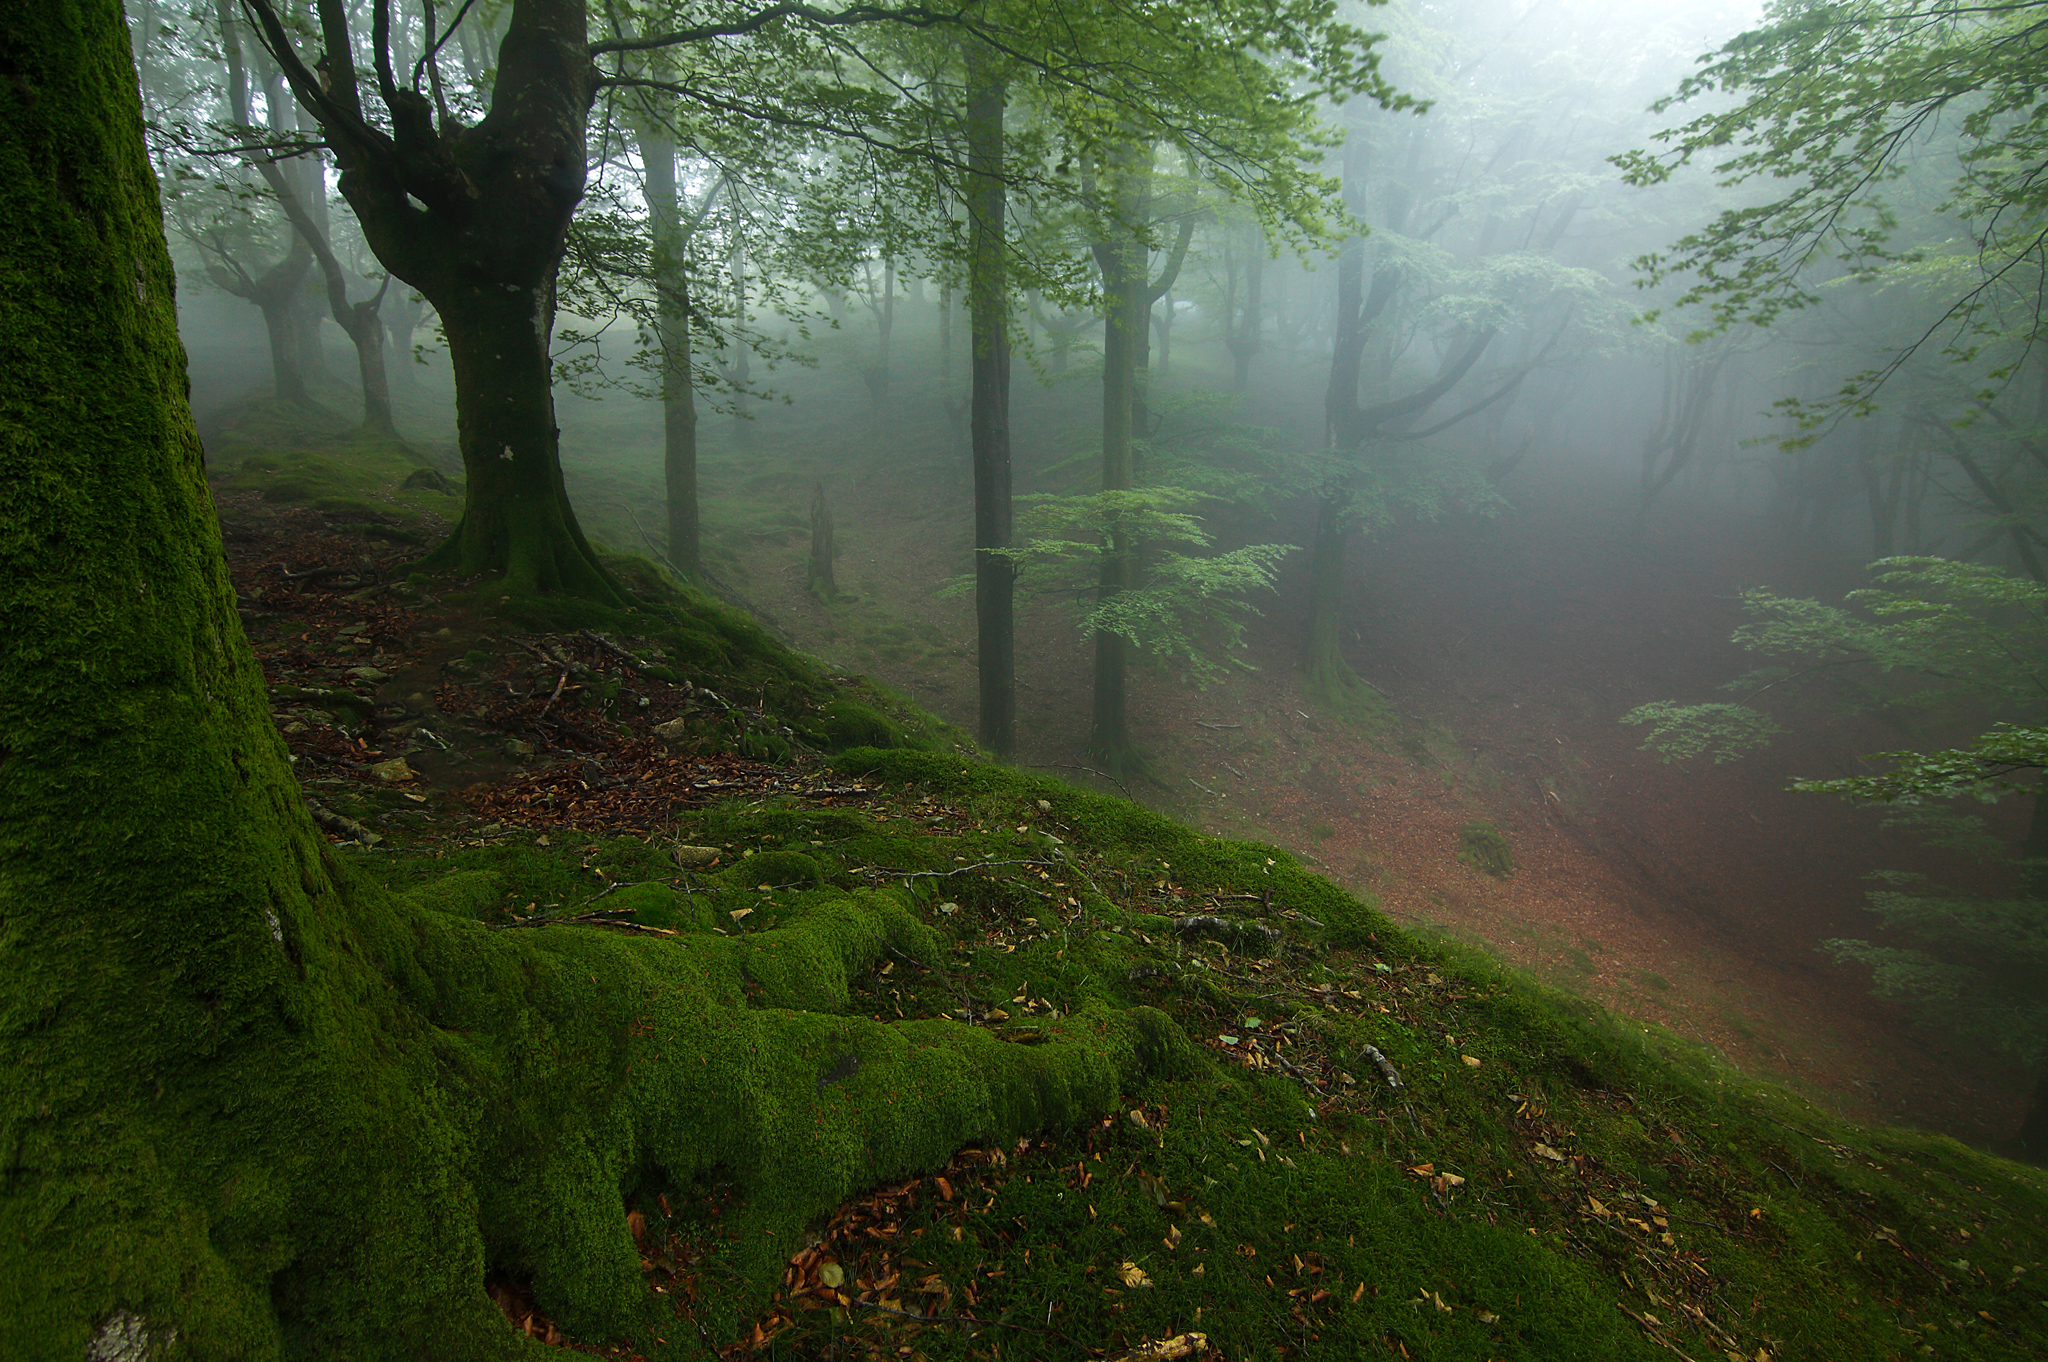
[1068, 766]
[552, 698]
[1384, 1065]
[1206, 724]
[970, 1319]
[341, 825]
[1203, 788]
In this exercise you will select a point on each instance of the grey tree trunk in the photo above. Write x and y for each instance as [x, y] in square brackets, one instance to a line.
[988, 306]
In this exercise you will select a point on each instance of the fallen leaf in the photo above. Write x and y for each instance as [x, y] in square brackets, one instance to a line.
[1471, 1061]
[1172, 1240]
[738, 913]
[945, 1189]
[1544, 1151]
[636, 1225]
[832, 1275]
[1359, 1292]
[1133, 1275]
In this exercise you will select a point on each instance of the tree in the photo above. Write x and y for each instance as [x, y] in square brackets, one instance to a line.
[249, 1102]
[1894, 144]
[1934, 641]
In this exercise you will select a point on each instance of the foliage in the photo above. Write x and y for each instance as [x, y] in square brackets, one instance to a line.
[1833, 103]
[1934, 635]
[1185, 606]
[1685, 732]
[1966, 641]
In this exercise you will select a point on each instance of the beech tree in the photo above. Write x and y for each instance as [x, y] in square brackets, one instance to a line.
[251, 1105]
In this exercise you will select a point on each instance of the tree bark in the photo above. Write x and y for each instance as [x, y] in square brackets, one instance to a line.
[249, 1104]
[988, 306]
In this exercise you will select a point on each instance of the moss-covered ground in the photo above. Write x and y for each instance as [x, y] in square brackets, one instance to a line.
[1371, 1145]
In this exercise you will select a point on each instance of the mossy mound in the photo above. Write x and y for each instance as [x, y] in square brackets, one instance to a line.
[848, 723]
[1481, 846]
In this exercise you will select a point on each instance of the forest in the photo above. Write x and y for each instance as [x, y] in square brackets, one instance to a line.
[983, 679]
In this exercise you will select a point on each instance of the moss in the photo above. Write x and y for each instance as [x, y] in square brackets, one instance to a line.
[848, 723]
[1481, 846]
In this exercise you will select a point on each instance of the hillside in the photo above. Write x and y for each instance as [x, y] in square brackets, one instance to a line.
[1364, 1142]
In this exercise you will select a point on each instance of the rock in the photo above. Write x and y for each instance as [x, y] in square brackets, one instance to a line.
[369, 674]
[430, 480]
[393, 770]
[672, 730]
[518, 747]
[695, 856]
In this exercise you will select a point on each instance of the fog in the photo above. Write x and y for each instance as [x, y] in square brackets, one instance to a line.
[1560, 534]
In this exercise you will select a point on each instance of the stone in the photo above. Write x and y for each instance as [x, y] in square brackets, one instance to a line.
[518, 747]
[393, 770]
[672, 730]
[369, 674]
[688, 856]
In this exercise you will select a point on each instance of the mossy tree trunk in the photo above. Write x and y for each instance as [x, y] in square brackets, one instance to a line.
[249, 1106]
[988, 306]
[478, 222]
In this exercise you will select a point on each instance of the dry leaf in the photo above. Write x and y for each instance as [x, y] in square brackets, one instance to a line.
[1471, 1061]
[832, 1275]
[1544, 1151]
[1172, 1240]
[1359, 1292]
[738, 913]
[1133, 1275]
[636, 1225]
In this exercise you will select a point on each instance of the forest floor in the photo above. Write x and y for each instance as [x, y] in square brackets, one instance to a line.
[1540, 1184]
[1696, 899]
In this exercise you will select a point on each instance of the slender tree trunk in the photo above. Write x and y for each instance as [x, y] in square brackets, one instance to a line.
[672, 327]
[279, 289]
[1122, 262]
[988, 306]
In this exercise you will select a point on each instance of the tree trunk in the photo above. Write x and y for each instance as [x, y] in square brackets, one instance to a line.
[988, 306]
[516, 520]
[250, 1105]
[360, 321]
[672, 329]
[480, 235]
[275, 295]
[1122, 261]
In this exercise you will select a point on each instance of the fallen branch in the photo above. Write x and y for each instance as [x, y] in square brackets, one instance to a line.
[1223, 928]
[1384, 1065]
[340, 825]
